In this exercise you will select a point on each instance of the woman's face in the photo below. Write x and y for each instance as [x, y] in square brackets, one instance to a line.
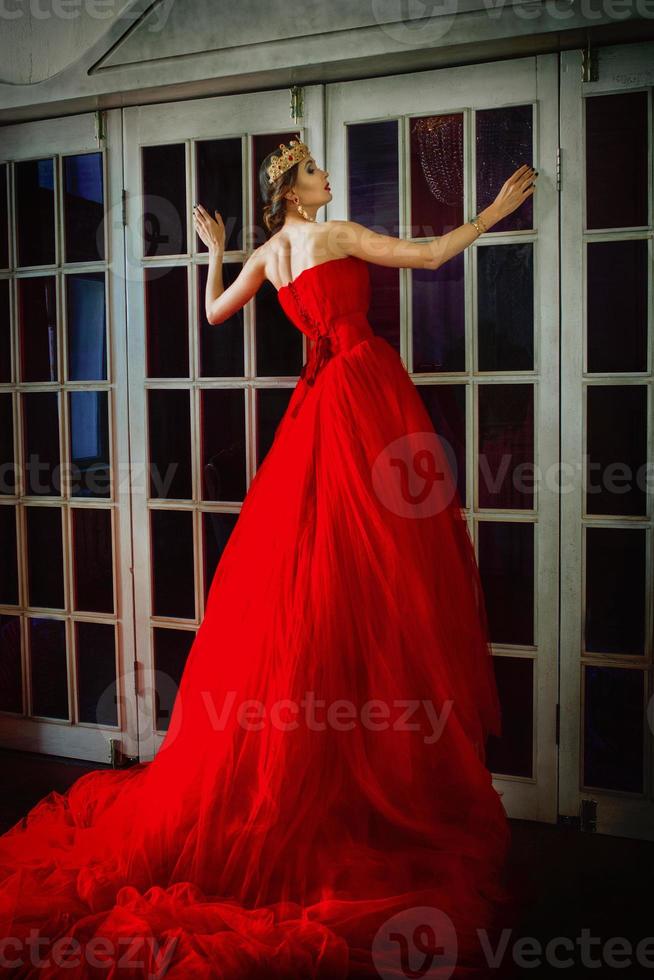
[311, 184]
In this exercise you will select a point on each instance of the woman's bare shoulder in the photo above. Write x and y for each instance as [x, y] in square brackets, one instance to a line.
[283, 253]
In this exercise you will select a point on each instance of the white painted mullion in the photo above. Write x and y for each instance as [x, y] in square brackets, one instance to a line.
[572, 429]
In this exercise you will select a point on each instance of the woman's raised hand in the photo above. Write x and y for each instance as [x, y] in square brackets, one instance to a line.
[515, 190]
[211, 232]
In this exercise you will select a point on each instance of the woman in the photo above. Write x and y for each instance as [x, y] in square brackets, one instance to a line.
[320, 806]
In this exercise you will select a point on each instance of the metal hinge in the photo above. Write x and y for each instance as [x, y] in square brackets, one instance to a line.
[585, 821]
[588, 816]
[124, 206]
[117, 758]
[589, 71]
[297, 103]
[563, 820]
[136, 678]
[100, 126]
[558, 168]
[558, 723]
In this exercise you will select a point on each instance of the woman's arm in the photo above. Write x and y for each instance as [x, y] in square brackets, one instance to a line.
[221, 303]
[387, 250]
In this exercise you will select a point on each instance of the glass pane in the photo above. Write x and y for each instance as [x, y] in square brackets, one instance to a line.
[616, 297]
[48, 672]
[613, 728]
[97, 694]
[5, 333]
[222, 426]
[271, 405]
[87, 326]
[221, 345]
[169, 436]
[384, 312]
[374, 175]
[166, 322]
[262, 145]
[45, 578]
[616, 160]
[506, 446]
[41, 442]
[37, 328]
[278, 340]
[506, 563]
[164, 205]
[89, 443]
[617, 449]
[504, 142]
[446, 405]
[93, 588]
[173, 578]
[35, 220]
[219, 178]
[436, 174]
[438, 317]
[11, 671]
[616, 599]
[84, 225]
[8, 556]
[512, 754]
[7, 465]
[505, 307]
[171, 650]
[216, 529]
[4, 219]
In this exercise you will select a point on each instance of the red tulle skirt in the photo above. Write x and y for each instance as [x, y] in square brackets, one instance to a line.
[320, 806]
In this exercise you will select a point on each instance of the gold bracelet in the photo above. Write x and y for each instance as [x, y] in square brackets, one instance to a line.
[477, 222]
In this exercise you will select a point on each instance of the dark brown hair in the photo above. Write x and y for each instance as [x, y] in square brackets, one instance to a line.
[274, 207]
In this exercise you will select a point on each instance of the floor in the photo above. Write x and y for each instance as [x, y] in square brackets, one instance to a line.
[571, 881]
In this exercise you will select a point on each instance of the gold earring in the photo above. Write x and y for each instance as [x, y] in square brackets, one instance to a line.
[304, 214]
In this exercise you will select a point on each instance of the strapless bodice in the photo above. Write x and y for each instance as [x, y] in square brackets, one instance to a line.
[329, 303]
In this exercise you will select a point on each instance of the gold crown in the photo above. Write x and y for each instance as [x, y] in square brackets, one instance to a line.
[290, 155]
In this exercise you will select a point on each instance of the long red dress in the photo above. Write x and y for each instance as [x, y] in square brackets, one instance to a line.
[320, 805]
